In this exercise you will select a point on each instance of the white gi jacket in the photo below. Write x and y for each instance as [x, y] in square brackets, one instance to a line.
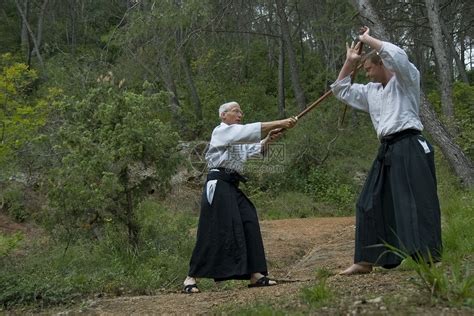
[393, 108]
[232, 145]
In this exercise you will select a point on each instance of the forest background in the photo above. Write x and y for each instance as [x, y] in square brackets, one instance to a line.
[106, 106]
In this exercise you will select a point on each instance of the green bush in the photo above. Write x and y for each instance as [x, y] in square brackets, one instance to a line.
[463, 99]
[326, 187]
[13, 202]
[114, 150]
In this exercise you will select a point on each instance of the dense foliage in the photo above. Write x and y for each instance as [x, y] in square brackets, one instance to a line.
[112, 150]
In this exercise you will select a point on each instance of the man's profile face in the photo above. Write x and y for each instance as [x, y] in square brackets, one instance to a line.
[233, 115]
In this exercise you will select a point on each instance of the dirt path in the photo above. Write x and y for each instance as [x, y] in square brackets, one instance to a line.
[296, 249]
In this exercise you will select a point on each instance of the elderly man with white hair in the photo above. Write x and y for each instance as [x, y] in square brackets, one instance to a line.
[229, 243]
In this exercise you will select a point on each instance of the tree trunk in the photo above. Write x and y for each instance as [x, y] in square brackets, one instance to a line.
[191, 86]
[130, 4]
[460, 163]
[457, 58]
[25, 39]
[132, 227]
[443, 62]
[39, 30]
[30, 32]
[294, 70]
[73, 20]
[281, 80]
[169, 83]
[300, 33]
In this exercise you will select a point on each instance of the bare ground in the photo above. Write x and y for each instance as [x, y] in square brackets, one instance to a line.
[296, 249]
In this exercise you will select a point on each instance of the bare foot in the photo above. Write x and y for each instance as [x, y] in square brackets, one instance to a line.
[357, 268]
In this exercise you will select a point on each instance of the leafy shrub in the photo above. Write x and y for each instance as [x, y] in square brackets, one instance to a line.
[113, 151]
[13, 202]
[463, 96]
[326, 187]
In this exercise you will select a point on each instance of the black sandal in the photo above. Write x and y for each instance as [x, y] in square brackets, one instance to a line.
[188, 289]
[263, 281]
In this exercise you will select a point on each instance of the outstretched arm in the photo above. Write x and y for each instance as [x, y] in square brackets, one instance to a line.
[283, 124]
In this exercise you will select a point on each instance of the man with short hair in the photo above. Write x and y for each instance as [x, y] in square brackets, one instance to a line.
[229, 243]
[398, 205]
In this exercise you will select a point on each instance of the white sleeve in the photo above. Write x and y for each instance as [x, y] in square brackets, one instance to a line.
[236, 133]
[396, 60]
[354, 94]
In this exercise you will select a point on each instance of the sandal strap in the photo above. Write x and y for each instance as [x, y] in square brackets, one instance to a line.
[263, 281]
[188, 288]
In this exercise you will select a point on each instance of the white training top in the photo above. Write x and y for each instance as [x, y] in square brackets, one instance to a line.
[393, 108]
[232, 145]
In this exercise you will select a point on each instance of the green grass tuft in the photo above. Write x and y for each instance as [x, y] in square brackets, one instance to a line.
[317, 295]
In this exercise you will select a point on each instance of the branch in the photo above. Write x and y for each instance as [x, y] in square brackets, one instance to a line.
[32, 35]
[243, 32]
[118, 25]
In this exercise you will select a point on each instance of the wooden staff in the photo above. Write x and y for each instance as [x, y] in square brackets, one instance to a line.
[329, 92]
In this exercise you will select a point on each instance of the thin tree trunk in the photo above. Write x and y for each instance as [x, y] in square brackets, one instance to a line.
[269, 26]
[39, 30]
[443, 62]
[281, 80]
[463, 51]
[300, 33]
[72, 16]
[30, 32]
[132, 227]
[169, 83]
[168, 80]
[458, 160]
[25, 40]
[294, 70]
[130, 4]
[191, 86]
[457, 58]
[460, 163]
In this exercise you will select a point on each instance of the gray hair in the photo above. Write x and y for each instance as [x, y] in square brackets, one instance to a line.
[226, 107]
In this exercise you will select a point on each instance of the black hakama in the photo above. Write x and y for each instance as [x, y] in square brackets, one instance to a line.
[229, 243]
[399, 205]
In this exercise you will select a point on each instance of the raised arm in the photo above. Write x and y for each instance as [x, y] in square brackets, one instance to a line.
[352, 57]
[369, 40]
[393, 57]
